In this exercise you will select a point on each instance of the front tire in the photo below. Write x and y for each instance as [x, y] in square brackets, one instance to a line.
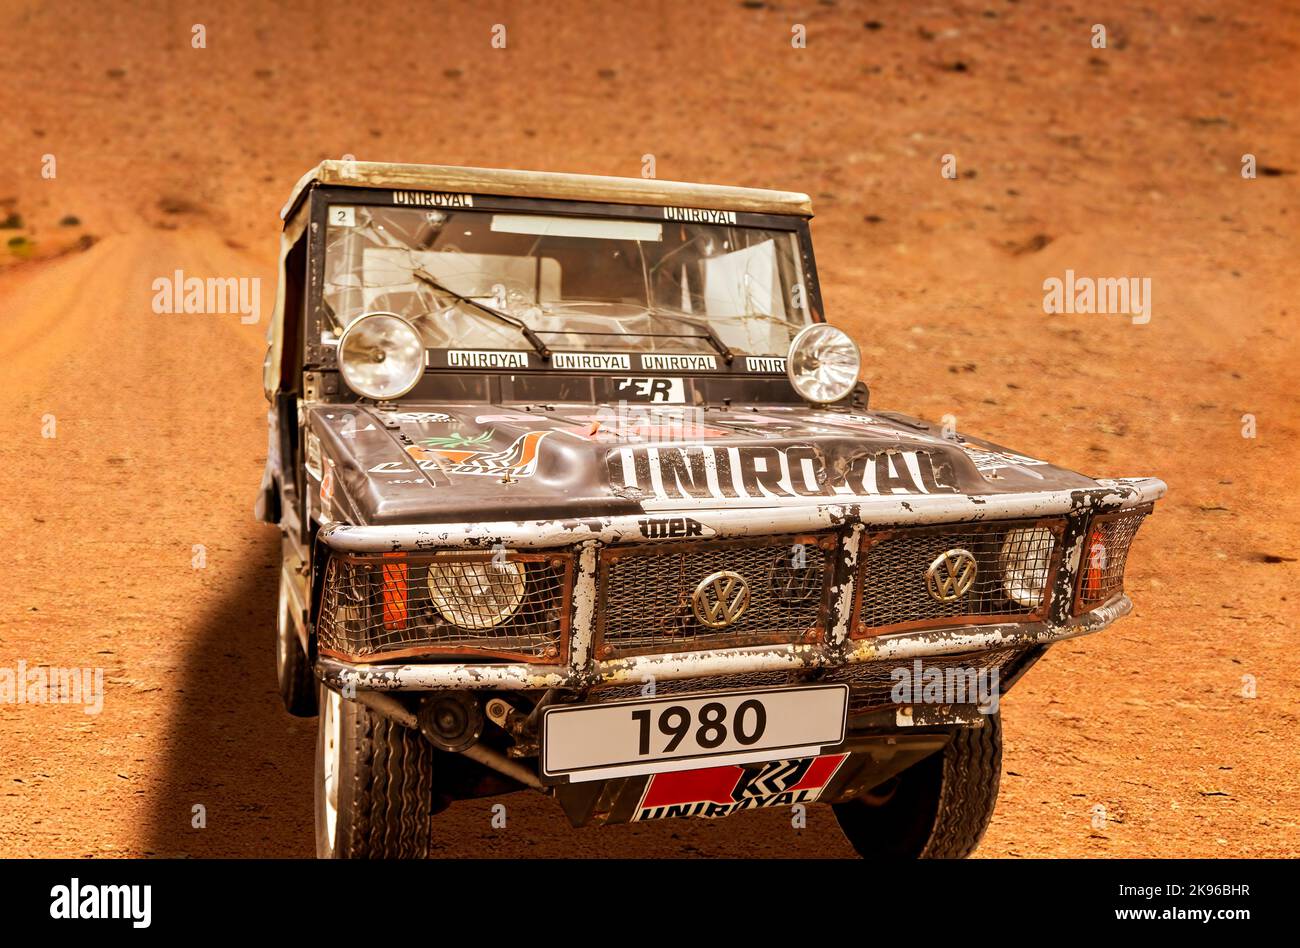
[938, 808]
[293, 670]
[374, 784]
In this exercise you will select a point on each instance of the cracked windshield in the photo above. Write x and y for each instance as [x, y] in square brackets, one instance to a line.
[494, 280]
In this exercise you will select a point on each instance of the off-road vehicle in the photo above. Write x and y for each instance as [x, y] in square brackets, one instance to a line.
[579, 493]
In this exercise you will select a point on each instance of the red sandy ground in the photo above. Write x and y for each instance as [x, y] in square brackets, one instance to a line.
[1116, 162]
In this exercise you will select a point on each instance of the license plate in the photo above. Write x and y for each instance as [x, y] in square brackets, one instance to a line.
[661, 735]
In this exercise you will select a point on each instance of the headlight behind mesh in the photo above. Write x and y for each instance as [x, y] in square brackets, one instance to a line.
[1026, 560]
[477, 595]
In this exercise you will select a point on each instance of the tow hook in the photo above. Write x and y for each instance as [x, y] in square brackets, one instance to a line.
[515, 723]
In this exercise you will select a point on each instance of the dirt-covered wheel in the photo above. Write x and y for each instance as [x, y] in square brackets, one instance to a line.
[293, 670]
[374, 784]
[936, 809]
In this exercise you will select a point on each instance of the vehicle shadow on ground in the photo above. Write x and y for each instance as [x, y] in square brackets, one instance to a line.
[230, 748]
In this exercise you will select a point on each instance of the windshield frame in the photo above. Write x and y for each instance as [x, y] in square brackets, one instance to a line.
[321, 198]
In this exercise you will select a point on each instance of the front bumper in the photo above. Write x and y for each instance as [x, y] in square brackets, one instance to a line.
[702, 664]
[584, 669]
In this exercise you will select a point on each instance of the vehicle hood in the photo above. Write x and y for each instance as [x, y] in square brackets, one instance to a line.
[463, 463]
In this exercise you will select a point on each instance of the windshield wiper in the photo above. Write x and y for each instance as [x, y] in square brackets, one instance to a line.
[540, 347]
[714, 340]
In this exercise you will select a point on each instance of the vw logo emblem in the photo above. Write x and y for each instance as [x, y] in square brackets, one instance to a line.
[951, 575]
[720, 599]
[792, 584]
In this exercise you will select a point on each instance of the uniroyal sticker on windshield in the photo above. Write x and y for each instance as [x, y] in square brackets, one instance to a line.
[678, 363]
[662, 391]
[484, 359]
[699, 215]
[433, 198]
[764, 364]
[714, 792]
[597, 361]
[770, 475]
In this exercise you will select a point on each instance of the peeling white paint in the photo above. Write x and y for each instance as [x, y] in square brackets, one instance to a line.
[706, 663]
[585, 597]
[842, 607]
[913, 510]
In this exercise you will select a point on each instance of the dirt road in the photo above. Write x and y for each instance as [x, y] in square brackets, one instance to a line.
[1123, 161]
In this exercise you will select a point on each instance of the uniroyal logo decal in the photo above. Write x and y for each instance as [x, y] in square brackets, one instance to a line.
[433, 198]
[598, 361]
[699, 215]
[487, 359]
[706, 472]
[721, 791]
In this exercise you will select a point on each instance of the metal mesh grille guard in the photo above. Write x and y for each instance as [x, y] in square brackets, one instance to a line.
[509, 605]
[516, 606]
[914, 578]
[647, 594]
[1101, 574]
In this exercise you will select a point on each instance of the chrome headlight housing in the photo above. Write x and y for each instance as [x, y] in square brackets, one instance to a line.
[823, 363]
[381, 356]
[1026, 561]
[477, 595]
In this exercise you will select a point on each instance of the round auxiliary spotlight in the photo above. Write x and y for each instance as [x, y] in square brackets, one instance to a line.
[823, 363]
[381, 356]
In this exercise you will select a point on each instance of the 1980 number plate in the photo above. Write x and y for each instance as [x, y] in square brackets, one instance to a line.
[658, 735]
